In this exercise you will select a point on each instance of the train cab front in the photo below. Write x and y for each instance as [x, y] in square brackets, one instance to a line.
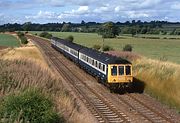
[120, 74]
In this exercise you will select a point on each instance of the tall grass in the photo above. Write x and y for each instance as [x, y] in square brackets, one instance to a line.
[17, 76]
[161, 79]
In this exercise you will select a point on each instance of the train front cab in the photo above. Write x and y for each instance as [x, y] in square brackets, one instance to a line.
[120, 75]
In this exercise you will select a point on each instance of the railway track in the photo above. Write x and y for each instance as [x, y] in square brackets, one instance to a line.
[103, 108]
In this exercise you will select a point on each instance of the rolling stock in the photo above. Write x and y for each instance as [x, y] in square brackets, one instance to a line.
[116, 73]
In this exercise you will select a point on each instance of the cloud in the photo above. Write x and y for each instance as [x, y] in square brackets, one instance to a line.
[103, 9]
[134, 14]
[90, 10]
[43, 15]
[82, 10]
[175, 5]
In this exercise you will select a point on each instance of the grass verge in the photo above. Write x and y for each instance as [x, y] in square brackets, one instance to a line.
[23, 69]
[161, 80]
[9, 40]
[15, 82]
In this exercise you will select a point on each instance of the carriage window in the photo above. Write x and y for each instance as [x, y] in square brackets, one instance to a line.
[96, 64]
[128, 70]
[87, 59]
[103, 67]
[99, 65]
[114, 70]
[92, 62]
[121, 70]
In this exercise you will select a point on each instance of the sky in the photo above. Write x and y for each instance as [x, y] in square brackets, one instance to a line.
[53, 11]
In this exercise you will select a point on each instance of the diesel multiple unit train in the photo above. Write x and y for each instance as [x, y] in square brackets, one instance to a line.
[112, 71]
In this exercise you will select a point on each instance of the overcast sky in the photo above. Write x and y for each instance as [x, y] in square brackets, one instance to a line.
[48, 11]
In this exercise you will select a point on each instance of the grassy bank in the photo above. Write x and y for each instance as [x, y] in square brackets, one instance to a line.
[9, 40]
[23, 73]
[161, 80]
[23, 53]
[14, 81]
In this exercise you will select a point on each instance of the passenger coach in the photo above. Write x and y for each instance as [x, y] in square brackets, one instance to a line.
[110, 70]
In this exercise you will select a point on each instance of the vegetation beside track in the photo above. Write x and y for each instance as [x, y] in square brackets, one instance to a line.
[24, 72]
[9, 40]
[159, 76]
[160, 49]
[161, 80]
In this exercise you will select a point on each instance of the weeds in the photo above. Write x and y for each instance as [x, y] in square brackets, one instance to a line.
[30, 105]
[161, 79]
[16, 76]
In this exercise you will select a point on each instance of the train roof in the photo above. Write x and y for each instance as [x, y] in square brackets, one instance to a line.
[100, 56]
[68, 43]
[103, 57]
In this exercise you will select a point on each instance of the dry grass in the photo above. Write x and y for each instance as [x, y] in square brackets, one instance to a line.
[124, 54]
[25, 67]
[31, 53]
[18, 75]
[161, 79]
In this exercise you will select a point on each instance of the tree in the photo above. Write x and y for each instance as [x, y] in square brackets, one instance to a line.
[83, 22]
[45, 35]
[22, 38]
[97, 47]
[107, 48]
[109, 30]
[70, 38]
[27, 26]
[133, 21]
[127, 47]
[66, 28]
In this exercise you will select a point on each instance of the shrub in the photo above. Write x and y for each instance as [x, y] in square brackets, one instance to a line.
[70, 38]
[107, 48]
[22, 38]
[20, 34]
[127, 47]
[163, 58]
[30, 105]
[45, 35]
[97, 47]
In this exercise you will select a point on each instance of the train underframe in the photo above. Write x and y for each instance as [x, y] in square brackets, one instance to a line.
[120, 87]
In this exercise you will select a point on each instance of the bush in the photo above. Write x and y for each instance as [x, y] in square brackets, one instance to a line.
[70, 38]
[127, 47]
[20, 34]
[45, 35]
[30, 105]
[97, 47]
[22, 38]
[107, 48]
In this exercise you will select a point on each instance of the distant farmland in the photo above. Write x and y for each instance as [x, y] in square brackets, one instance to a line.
[8, 40]
[163, 49]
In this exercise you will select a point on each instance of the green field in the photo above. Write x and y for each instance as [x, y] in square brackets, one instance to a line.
[8, 40]
[167, 49]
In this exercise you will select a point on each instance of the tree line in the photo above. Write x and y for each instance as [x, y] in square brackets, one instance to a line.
[107, 29]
